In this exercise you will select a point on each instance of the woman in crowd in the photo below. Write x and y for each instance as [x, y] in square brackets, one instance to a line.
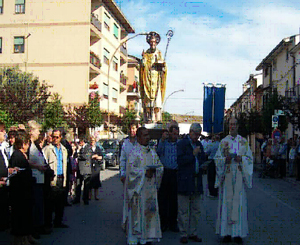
[96, 167]
[38, 165]
[20, 192]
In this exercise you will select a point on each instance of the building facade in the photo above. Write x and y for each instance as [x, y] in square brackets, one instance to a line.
[72, 45]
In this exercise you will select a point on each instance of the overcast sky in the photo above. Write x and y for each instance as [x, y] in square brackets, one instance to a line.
[219, 41]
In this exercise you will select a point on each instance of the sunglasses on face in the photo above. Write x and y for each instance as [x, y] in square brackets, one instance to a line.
[55, 137]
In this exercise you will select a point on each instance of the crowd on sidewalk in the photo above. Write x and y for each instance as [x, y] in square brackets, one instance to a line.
[163, 187]
[281, 158]
[39, 171]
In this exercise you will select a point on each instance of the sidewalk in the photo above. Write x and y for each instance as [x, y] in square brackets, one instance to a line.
[258, 168]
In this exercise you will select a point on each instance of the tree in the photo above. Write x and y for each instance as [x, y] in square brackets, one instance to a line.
[54, 114]
[7, 119]
[86, 115]
[128, 117]
[166, 117]
[274, 102]
[22, 95]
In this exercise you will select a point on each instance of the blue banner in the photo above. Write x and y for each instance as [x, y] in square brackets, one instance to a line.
[219, 106]
[213, 109]
[207, 109]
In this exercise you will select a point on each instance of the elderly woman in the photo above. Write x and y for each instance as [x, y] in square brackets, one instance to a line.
[96, 158]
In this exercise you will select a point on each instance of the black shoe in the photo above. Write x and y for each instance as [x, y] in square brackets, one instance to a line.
[184, 239]
[45, 230]
[96, 198]
[238, 240]
[226, 239]
[61, 225]
[195, 238]
[86, 202]
[68, 204]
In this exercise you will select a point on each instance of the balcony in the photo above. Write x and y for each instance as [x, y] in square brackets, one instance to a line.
[123, 50]
[123, 79]
[96, 22]
[292, 94]
[95, 63]
[133, 92]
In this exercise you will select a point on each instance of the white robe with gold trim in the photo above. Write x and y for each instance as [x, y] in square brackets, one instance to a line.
[232, 218]
[143, 216]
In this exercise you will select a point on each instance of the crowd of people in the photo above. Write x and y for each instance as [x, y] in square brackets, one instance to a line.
[39, 171]
[281, 158]
[163, 187]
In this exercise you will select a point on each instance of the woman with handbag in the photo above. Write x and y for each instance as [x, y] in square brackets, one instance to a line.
[95, 182]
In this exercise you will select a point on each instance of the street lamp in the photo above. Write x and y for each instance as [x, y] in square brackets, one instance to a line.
[174, 92]
[26, 58]
[110, 61]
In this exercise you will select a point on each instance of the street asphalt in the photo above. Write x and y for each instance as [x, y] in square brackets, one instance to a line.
[273, 213]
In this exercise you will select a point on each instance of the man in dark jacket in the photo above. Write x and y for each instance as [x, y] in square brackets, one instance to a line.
[190, 155]
[84, 172]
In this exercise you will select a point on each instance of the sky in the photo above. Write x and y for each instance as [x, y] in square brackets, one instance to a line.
[215, 41]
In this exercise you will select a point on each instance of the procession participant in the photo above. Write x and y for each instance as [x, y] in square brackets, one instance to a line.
[191, 156]
[143, 177]
[167, 194]
[84, 172]
[127, 147]
[56, 156]
[211, 168]
[234, 166]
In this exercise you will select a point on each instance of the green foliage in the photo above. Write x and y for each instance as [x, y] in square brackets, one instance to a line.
[94, 115]
[7, 119]
[22, 95]
[274, 102]
[166, 117]
[86, 115]
[128, 117]
[54, 115]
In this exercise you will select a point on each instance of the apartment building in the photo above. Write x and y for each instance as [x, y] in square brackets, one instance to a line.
[72, 45]
[134, 101]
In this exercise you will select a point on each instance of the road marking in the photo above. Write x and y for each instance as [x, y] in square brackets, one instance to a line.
[282, 202]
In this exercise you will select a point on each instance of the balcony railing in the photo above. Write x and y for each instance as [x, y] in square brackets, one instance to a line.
[96, 22]
[123, 50]
[123, 79]
[293, 94]
[95, 60]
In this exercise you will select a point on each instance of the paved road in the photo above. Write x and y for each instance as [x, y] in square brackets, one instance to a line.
[274, 217]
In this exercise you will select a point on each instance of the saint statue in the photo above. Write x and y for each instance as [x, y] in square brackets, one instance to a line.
[153, 76]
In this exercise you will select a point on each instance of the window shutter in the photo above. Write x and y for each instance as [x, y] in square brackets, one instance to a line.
[19, 40]
[116, 30]
[20, 1]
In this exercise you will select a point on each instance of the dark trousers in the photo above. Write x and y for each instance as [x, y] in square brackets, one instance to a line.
[282, 167]
[167, 199]
[86, 187]
[38, 205]
[55, 202]
[4, 208]
[211, 178]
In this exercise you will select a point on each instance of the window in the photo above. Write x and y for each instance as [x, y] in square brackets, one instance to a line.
[266, 71]
[105, 91]
[115, 95]
[19, 45]
[106, 56]
[106, 21]
[274, 65]
[1, 6]
[20, 7]
[287, 55]
[115, 63]
[116, 31]
[0, 45]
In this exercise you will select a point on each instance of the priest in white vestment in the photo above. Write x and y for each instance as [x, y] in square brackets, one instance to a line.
[143, 177]
[234, 166]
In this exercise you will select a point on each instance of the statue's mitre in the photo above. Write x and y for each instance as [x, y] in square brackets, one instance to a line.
[151, 35]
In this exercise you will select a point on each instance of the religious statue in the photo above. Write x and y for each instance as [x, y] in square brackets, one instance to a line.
[153, 78]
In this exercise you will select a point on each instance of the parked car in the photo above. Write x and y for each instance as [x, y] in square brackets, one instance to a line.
[103, 161]
[111, 148]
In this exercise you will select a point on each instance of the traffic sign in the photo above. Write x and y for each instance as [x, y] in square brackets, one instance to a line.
[275, 120]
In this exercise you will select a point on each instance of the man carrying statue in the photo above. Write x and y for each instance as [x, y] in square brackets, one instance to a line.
[153, 76]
